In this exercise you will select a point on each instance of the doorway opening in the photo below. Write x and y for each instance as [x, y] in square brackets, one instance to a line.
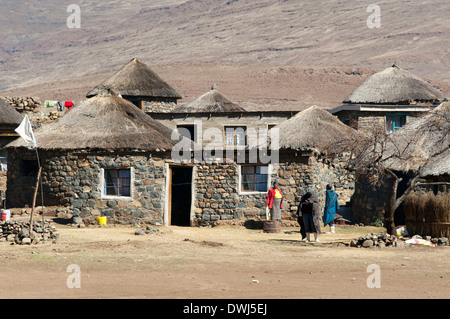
[180, 196]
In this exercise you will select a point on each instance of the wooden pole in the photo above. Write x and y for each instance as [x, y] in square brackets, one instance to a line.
[42, 196]
[34, 198]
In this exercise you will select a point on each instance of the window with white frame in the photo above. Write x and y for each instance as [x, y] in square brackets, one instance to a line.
[235, 136]
[117, 182]
[254, 178]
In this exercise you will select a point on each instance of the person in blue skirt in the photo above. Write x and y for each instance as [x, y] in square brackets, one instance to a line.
[331, 208]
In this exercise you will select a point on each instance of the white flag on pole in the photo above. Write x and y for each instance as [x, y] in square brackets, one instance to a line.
[26, 131]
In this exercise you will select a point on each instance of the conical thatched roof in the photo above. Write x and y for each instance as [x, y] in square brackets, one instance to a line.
[394, 86]
[8, 115]
[212, 101]
[105, 121]
[136, 79]
[420, 139]
[313, 129]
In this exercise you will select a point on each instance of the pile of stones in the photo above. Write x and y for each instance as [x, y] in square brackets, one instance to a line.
[18, 232]
[27, 104]
[384, 240]
[51, 117]
[377, 240]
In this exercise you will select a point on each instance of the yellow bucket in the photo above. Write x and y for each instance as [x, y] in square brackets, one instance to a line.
[101, 220]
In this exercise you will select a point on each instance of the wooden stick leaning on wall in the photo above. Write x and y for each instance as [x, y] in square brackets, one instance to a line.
[34, 199]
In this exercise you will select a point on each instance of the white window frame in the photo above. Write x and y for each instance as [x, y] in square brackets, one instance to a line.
[234, 146]
[112, 197]
[269, 180]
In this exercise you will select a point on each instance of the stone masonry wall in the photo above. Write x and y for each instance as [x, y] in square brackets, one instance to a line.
[315, 172]
[367, 121]
[159, 106]
[218, 197]
[369, 203]
[74, 180]
[216, 193]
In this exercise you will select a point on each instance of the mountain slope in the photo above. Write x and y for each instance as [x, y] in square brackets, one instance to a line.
[37, 46]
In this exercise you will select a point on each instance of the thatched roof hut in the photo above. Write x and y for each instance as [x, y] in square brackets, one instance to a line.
[313, 129]
[8, 115]
[394, 85]
[210, 102]
[136, 79]
[105, 121]
[420, 139]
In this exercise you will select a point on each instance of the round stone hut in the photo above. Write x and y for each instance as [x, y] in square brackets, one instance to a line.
[311, 155]
[103, 158]
[387, 100]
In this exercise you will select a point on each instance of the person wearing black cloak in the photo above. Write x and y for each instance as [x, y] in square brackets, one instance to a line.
[308, 215]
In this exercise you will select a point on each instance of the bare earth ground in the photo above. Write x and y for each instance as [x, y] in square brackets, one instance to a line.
[221, 262]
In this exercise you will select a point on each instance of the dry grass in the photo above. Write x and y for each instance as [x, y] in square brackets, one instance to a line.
[428, 214]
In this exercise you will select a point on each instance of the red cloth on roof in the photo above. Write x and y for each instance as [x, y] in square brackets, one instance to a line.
[68, 104]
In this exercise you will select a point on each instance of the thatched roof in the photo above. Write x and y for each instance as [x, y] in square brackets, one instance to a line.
[313, 129]
[8, 115]
[106, 122]
[438, 166]
[136, 79]
[394, 86]
[212, 101]
[420, 139]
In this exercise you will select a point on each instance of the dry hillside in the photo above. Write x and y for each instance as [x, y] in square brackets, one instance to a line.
[254, 86]
[37, 46]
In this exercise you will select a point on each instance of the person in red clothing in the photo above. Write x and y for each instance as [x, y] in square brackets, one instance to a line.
[275, 201]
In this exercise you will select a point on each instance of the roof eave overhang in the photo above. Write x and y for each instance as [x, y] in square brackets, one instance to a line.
[380, 108]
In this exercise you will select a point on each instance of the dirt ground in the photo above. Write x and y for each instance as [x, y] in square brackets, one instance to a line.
[221, 262]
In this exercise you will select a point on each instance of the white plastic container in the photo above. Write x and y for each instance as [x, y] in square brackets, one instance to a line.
[6, 215]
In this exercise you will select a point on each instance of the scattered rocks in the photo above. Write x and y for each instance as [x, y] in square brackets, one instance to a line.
[18, 232]
[50, 117]
[385, 240]
[146, 231]
[375, 240]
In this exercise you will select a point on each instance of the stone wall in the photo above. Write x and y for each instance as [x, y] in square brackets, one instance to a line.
[159, 105]
[296, 174]
[216, 193]
[218, 196]
[74, 179]
[369, 203]
[366, 121]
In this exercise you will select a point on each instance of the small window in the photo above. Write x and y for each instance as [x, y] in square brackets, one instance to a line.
[187, 131]
[235, 136]
[271, 126]
[254, 178]
[137, 102]
[394, 122]
[117, 182]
